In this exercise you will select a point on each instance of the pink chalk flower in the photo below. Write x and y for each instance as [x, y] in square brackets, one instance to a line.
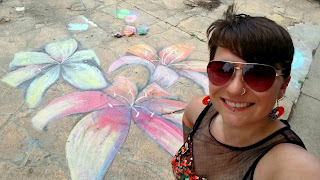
[95, 139]
[166, 66]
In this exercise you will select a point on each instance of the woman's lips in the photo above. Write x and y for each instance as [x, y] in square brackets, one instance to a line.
[239, 106]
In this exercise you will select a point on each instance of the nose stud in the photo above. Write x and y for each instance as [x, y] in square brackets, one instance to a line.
[244, 91]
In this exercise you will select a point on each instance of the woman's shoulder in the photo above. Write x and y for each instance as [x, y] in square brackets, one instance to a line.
[194, 108]
[288, 161]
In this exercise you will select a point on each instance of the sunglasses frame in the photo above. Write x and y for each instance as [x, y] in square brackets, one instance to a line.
[240, 68]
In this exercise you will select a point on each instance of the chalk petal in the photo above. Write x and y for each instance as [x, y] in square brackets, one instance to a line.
[123, 90]
[193, 65]
[80, 102]
[60, 51]
[174, 54]
[128, 60]
[90, 149]
[164, 76]
[198, 78]
[145, 51]
[84, 76]
[162, 131]
[40, 85]
[83, 56]
[31, 58]
[19, 76]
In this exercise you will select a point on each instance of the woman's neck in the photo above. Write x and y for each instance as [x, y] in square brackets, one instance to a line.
[246, 135]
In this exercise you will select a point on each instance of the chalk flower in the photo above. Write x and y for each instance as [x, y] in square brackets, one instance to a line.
[95, 139]
[166, 66]
[39, 70]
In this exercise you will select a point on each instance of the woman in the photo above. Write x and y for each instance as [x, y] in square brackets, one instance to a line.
[238, 134]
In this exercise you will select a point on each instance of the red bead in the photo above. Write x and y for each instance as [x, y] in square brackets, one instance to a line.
[205, 100]
[280, 110]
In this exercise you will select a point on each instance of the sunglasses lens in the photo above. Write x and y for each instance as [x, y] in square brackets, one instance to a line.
[219, 72]
[258, 77]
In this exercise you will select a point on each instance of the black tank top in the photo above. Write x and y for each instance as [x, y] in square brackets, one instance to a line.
[213, 160]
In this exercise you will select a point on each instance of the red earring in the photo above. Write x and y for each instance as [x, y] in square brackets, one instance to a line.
[206, 100]
[276, 112]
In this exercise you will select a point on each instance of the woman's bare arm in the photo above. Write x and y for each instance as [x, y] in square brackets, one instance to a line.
[288, 161]
[191, 114]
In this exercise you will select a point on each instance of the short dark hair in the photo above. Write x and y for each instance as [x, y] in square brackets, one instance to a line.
[254, 39]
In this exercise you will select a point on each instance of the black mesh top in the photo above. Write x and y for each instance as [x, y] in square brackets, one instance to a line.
[213, 160]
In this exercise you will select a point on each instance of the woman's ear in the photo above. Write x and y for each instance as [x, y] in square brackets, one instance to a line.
[284, 87]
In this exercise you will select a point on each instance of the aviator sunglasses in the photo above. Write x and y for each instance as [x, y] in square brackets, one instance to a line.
[258, 77]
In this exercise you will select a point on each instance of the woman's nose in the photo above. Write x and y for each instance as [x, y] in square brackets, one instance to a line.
[235, 87]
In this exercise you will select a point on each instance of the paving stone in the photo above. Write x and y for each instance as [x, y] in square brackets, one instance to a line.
[41, 12]
[89, 5]
[294, 13]
[157, 9]
[156, 158]
[4, 170]
[140, 75]
[9, 46]
[305, 120]
[5, 12]
[10, 136]
[185, 89]
[176, 36]
[92, 38]
[133, 171]
[279, 10]
[3, 119]
[134, 139]
[304, 45]
[312, 17]
[53, 139]
[48, 34]
[106, 57]
[195, 24]
[312, 84]
[13, 28]
[119, 164]
[173, 4]
[254, 8]
[281, 20]
[10, 104]
[49, 172]
[108, 22]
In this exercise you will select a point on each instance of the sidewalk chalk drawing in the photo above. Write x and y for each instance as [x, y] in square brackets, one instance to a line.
[78, 27]
[95, 140]
[129, 15]
[44, 143]
[298, 62]
[108, 109]
[83, 26]
[166, 66]
[37, 71]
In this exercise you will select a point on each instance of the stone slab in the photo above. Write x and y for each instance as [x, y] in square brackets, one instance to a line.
[311, 86]
[306, 38]
[305, 122]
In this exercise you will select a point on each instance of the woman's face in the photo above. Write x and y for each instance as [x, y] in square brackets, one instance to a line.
[255, 106]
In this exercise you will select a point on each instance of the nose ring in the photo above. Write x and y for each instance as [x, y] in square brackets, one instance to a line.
[244, 91]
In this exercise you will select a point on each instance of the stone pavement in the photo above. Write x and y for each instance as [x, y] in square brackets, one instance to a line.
[27, 151]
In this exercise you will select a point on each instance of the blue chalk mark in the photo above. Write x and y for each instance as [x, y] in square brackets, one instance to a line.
[55, 137]
[298, 60]
[78, 27]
